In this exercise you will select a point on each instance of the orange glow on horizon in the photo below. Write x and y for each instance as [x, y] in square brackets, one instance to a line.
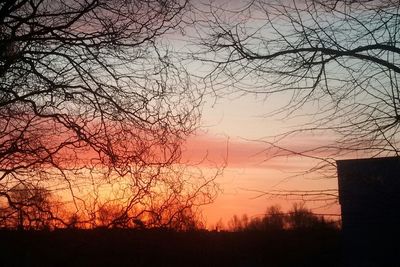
[247, 171]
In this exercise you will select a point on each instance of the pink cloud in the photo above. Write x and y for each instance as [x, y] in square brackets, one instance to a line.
[206, 149]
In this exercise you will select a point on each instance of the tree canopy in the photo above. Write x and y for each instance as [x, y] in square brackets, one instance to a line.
[92, 98]
[337, 59]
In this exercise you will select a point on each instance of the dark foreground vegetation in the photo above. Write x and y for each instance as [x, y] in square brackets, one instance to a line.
[160, 247]
[296, 238]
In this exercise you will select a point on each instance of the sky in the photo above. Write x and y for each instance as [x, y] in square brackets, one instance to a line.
[232, 131]
[236, 129]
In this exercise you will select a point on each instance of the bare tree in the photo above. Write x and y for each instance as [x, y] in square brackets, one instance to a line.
[29, 207]
[339, 56]
[302, 218]
[91, 96]
[335, 62]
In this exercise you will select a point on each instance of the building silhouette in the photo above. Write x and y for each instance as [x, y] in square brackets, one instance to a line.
[369, 195]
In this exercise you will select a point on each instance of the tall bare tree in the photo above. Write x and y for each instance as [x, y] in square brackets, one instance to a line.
[90, 94]
[336, 63]
[340, 58]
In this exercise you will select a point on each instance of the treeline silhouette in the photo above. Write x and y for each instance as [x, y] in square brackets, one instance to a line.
[298, 218]
[295, 238]
[36, 208]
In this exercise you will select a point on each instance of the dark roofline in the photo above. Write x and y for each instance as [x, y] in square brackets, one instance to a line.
[366, 159]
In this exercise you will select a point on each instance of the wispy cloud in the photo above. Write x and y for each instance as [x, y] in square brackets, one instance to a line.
[206, 149]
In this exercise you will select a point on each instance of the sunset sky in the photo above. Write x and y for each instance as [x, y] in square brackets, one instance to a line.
[200, 132]
[233, 129]
[268, 95]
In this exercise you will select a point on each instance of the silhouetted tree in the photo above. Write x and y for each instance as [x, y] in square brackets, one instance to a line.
[299, 217]
[338, 60]
[73, 221]
[275, 220]
[237, 224]
[91, 96]
[29, 207]
[219, 226]
[335, 64]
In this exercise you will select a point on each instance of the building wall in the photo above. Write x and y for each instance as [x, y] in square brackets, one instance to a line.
[369, 195]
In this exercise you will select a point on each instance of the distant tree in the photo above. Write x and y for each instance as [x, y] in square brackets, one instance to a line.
[186, 220]
[274, 219]
[90, 94]
[73, 221]
[235, 224]
[175, 210]
[219, 226]
[256, 224]
[299, 217]
[29, 207]
[106, 214]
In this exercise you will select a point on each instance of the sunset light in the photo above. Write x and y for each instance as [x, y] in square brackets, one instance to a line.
[199, 133]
